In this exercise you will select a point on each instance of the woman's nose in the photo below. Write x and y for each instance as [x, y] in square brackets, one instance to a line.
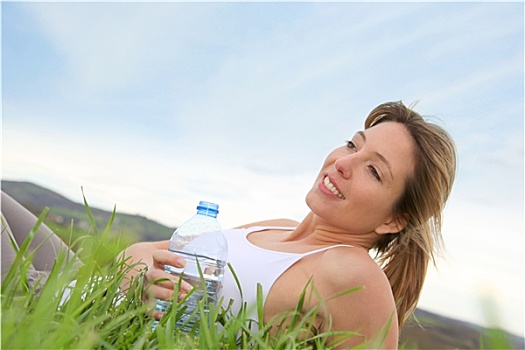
[343, 165]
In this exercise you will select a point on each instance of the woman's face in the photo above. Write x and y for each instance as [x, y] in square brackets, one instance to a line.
[360, 182]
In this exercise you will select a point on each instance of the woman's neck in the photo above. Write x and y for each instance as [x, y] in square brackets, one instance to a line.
[315, 231]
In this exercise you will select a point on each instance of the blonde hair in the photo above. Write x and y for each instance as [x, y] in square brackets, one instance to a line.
[404, 256]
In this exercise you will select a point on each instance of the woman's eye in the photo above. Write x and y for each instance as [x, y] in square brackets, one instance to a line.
[375, 173]
[351, 145]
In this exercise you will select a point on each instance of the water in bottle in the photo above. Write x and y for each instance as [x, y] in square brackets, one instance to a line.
[201, 242]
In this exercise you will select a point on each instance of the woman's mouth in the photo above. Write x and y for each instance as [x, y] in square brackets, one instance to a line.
[330, 186]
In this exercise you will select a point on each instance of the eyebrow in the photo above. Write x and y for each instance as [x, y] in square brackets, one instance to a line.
[379, 155]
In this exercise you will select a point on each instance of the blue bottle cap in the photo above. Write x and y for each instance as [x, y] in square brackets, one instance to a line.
[208, 208]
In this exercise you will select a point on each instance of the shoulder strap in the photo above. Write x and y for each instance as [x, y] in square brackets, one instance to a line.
[263, 228]
[326, 248]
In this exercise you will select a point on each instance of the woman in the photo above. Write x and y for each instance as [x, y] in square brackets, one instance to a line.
[383, 192]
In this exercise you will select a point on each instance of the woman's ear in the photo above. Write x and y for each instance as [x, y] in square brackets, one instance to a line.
[394, 225]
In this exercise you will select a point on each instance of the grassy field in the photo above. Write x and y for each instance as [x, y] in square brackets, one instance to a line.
[95, 313]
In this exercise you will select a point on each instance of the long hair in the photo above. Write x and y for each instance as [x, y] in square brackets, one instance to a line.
[404, 256]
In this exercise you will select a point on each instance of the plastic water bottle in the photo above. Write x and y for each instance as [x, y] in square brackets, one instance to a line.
[200, 241]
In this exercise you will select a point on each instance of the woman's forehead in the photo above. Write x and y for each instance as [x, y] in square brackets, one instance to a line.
[393, 141]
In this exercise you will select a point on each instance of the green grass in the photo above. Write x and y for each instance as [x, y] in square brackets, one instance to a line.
[97, 315]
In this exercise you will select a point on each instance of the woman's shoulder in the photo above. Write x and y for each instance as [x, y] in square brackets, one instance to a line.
[354, 284]
[347, 267]
[272, 222]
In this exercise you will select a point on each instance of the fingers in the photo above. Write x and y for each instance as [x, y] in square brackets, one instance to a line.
[152, 294]
[161, 284]
[161, 280]
[158, 291]
[165, 257]
[157, 315]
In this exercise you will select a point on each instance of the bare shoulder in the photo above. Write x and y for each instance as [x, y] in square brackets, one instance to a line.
[359, 270]
[344, 269]
[272, 222]
[370, 301]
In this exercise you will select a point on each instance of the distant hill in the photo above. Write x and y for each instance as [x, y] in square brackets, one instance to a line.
[63, 211]
[425, 330]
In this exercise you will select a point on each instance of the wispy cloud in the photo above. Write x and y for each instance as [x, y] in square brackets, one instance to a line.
[112, 46]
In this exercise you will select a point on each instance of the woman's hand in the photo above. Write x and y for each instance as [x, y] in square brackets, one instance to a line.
[160, 284]
[154, 256]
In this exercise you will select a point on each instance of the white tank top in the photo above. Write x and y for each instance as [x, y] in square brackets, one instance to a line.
[255, 265]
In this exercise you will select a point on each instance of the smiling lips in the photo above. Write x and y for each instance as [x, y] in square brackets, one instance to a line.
[332, 188]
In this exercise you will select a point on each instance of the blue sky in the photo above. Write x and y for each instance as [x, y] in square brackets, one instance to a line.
[153, 107]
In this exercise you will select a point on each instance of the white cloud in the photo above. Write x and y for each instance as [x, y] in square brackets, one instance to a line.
[158, 187]
[476, 81]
